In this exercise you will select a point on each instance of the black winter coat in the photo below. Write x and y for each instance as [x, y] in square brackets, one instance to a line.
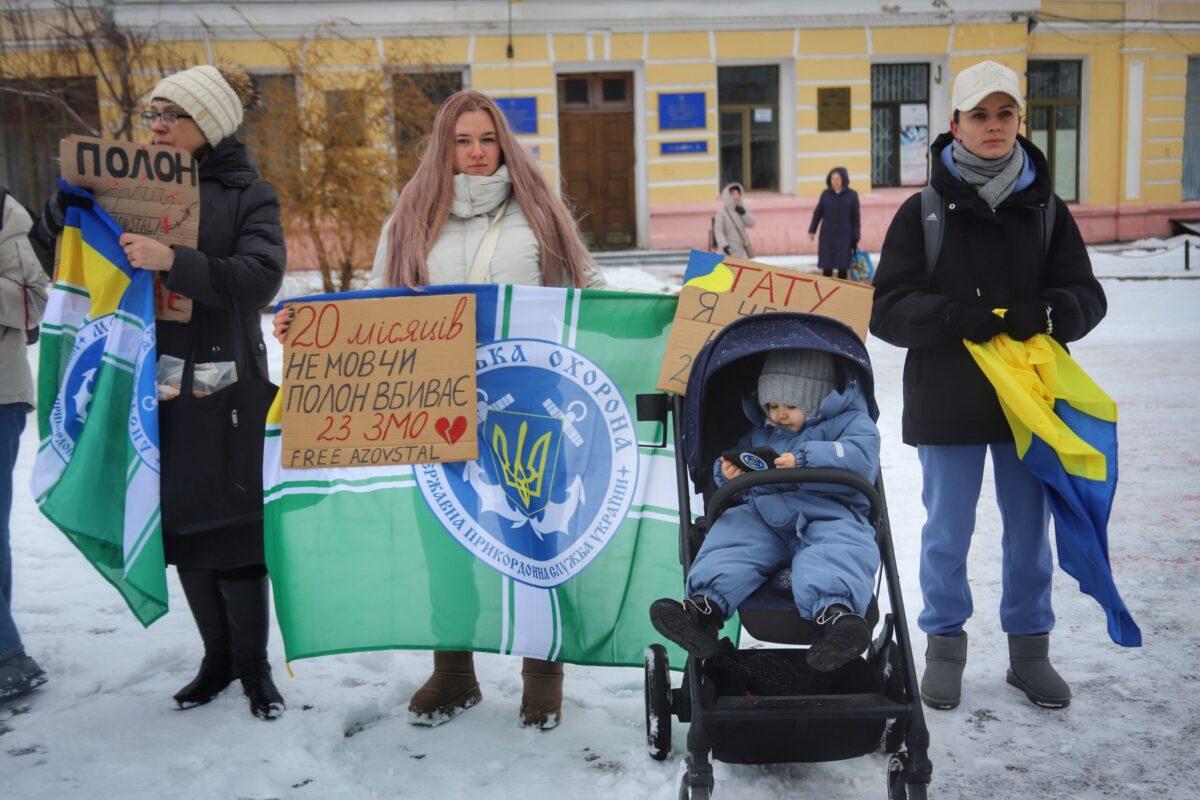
[236, 268]
[990, 259]
[838, 215]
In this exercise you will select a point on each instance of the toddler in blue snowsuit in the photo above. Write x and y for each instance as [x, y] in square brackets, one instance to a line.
[821, 530]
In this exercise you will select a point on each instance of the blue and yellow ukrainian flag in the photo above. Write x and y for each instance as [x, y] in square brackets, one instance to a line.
[1065, 428]
[97, 468]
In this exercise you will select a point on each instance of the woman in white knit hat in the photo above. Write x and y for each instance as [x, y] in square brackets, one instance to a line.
[210, 479]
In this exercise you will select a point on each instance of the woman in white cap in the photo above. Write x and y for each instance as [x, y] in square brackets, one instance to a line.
[1006, 242]
[232, 273]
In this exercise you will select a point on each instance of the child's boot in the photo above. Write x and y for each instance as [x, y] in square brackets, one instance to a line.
[692, 624]
[841, 636]
[1031, 672]
[945, 659]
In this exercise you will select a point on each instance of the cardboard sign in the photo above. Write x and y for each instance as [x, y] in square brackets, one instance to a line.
[387, 380]
[718, 290]
[153, 191]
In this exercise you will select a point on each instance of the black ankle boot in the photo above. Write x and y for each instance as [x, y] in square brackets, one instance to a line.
[692, 624]
[208, 609]
[246, 608]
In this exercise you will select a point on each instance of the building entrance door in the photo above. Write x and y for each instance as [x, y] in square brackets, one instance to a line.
[595, 154]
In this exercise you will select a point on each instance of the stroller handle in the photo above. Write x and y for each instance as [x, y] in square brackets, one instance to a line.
[844, 477]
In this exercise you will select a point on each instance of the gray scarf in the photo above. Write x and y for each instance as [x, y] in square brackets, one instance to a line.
[994, 177]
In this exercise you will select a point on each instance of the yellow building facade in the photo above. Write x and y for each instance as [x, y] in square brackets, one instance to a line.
[641, 111]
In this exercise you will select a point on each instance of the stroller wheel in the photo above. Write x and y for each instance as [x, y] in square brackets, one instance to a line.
[693, 792]
[658, 702]
[899, 786]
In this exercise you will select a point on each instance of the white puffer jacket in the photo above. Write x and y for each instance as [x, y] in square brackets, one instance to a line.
[476, 200]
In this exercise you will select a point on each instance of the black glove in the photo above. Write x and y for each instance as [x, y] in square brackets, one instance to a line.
[1024, 320]
[971, 322]
[740, 209]
[54, 215]
[726, 249]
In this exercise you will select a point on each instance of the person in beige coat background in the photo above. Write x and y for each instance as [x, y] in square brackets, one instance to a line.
[23, 291]
[478, 210]
[731, 222]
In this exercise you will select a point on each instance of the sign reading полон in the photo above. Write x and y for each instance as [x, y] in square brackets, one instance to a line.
[380, 381]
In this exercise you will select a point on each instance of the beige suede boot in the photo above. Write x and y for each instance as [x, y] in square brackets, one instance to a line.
[541, 700]
[450, 690]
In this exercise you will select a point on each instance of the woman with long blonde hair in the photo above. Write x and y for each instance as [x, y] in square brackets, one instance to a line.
[472, 168]
[478, 210]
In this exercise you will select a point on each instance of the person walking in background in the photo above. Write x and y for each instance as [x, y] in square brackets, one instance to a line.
[23, 290]
[837, 215]
[999, 250]
[232, 273]
[731, 222]
[477, 210]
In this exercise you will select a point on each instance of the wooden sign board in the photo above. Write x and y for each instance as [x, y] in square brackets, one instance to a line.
[388, 380]
[153, 191]
[718, 290]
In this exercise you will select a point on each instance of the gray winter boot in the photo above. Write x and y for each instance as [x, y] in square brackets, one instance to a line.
[945, 659]
[1031, 672]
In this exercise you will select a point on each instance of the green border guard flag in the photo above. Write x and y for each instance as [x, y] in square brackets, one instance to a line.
[97, 468]
[551, 545]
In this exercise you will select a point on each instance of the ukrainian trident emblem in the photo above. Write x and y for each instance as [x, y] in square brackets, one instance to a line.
[521, 445]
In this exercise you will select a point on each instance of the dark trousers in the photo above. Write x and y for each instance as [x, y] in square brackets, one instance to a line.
[12, 423]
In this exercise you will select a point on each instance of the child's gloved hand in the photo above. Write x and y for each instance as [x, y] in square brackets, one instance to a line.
[786, 461]
[730, 470]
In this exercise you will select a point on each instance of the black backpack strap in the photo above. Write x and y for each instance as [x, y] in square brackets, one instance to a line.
[1048, 214]
[933, 218]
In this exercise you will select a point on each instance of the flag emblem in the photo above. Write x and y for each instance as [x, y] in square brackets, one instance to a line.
[558, 469]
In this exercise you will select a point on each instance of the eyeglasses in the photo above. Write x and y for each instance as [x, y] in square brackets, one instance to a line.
[169, 118]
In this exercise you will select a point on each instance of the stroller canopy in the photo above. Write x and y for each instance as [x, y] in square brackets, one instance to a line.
[726, 371]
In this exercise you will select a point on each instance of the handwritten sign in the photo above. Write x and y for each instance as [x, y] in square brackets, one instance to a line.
[152, 191]
[388, 380]
[718, 290]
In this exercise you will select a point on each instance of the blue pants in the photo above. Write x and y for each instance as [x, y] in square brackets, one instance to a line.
[833, 560]
[953, 475]
[12, 422]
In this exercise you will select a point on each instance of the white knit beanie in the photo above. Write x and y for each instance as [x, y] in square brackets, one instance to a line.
[208, 97]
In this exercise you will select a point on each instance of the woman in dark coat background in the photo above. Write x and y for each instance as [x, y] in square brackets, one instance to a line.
[837, 214]
[235, 269]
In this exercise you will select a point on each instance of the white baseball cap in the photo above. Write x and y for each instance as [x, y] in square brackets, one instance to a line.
[976, 82]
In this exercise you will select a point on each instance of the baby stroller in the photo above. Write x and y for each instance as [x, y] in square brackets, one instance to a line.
[869, 704]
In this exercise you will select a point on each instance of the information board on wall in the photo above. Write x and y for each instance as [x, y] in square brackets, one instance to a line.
[833, 108]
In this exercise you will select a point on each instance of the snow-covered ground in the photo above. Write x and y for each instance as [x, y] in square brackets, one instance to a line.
[105, 725]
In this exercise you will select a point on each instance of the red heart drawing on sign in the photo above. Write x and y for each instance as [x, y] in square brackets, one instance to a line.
[451, 431]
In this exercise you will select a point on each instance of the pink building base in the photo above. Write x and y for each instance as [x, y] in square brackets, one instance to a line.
[783, 220]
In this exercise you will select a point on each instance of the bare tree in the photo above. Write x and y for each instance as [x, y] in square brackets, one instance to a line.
[338, 142]
[41, 48]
